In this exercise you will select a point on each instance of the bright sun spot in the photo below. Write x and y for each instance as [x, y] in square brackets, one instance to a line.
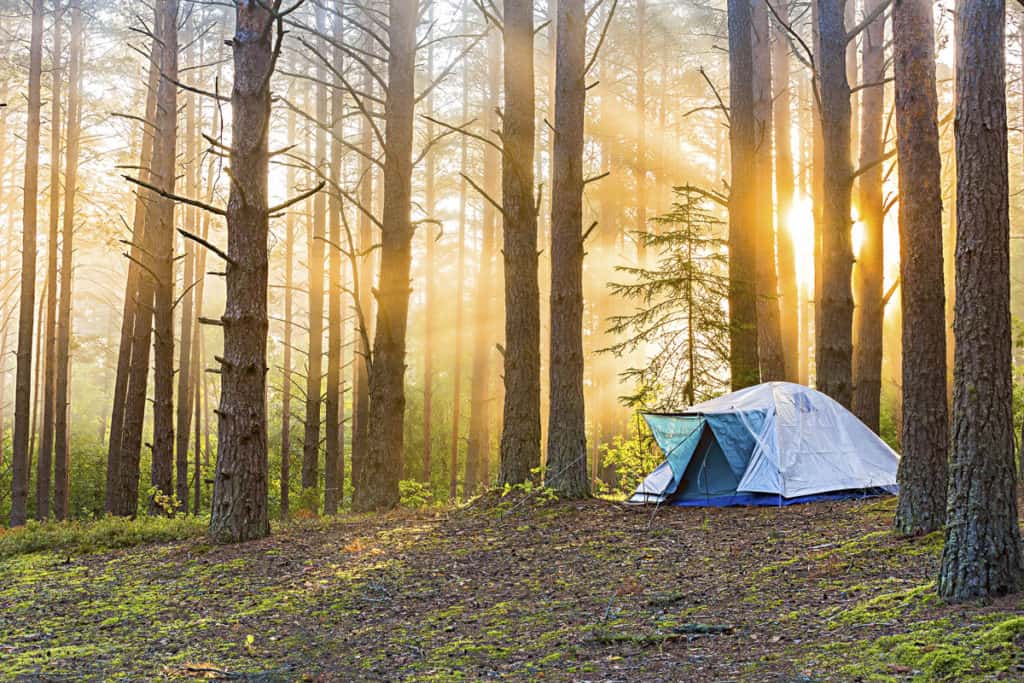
[800, 223]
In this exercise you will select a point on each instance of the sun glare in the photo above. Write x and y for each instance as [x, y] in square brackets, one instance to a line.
[800, 224]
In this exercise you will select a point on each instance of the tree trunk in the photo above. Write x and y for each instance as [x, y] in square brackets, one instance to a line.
[567, 428]
[365, 263]
[520, 437]
[23, 385]
[460, 276]
[62, 446]
[127, 362]
[789, 304]
[239, 509]
[641, 129]
[921, 507]
[383, 467]
[184, 409]
[743, 257]
[870, 271]
[334, 468]
[164, 172]
[478, 443]
[315, 265]
[429, 291]
[769, 335]
[286, 372]
[834, 357]
[982, 553]
[44, 462]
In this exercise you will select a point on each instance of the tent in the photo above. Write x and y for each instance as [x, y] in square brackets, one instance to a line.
[772, 444]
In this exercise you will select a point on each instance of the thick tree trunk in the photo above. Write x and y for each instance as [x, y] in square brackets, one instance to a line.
[479, 442]
[23, 386]
[834, 357]
[982, 553]
[315, 265]
[743, 256]
[62, 445]
[44, 463]
[769, 334]
[520, 437]
[334, 468]
[567, 428]
[164, 172]
[239, 509]
[383, 467]
[789, 304]
[126, 368]
[925, 426]
[870, 271]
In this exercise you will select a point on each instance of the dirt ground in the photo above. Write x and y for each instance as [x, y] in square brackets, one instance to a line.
[515, 589]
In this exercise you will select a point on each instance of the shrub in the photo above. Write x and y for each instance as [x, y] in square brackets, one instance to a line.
[107, 533]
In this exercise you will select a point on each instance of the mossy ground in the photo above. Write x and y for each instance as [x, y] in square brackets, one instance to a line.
[560, 591]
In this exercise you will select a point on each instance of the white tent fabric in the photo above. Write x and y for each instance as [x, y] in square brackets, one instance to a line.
[807, 443]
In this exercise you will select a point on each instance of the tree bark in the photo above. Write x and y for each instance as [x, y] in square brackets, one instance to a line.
[834, 357]
[429, 289]
[921, 507]
[567, 436]
[743, 356]
[239, 509]
[460, 276]
[383, 467]
[164, 172]
[982, 553]
[44, 463]
[128, 362]
[23, 381]
[789, 304]
[365, 262]
[520, 437]
[870, 271]
[334, 468]
[62, 445]
[769, 334]
[478, 442]
[286, 372]
[315, 265]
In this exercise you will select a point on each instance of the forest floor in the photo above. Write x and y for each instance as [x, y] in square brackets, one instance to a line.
[514, 589]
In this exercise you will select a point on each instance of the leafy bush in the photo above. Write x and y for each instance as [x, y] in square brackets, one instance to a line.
[414, 494]
[106, 533]
[630, 460]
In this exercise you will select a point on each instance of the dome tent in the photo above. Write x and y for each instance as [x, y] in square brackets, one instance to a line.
[772, 444]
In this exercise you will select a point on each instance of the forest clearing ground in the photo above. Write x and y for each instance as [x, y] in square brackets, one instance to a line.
[587, 591]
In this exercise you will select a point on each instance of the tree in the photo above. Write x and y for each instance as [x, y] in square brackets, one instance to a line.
[789, 301]
[743, 256]
[26, 314]
[44, 462]
[62, 445]
[162, 258]
[921, 507]
[678, 309]
[478, 444]
[239, 510]
[382, 470]
[834, 357]
[315, 267]
[520, 436]
[334, 446]
[769, 335]
[869, 311]
[567, 428]
[982, 553]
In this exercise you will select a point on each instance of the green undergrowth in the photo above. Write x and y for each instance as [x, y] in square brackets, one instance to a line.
[988, 648]
[107, 533]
